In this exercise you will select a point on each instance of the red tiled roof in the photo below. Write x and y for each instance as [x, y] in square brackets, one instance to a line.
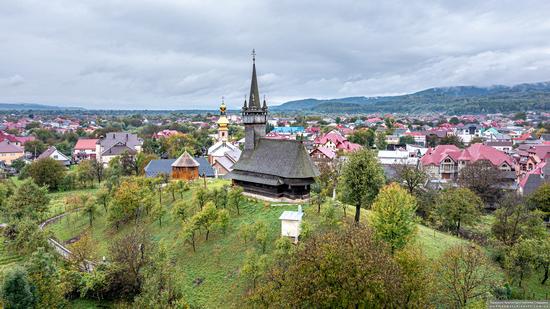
[437, 154]
[326, 151]
[85, 144]
[473, 153]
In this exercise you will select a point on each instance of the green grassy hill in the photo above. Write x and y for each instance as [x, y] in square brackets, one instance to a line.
[217, 262]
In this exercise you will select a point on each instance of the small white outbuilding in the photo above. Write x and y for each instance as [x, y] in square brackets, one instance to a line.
[290, 223]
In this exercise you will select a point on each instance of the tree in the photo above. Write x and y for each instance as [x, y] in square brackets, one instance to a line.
[188, 232]
[362, 178]
[25, 237]
[363, 137]
[35, 147]
[394, 216]
[222, 222]
[317, 195]
[85, 172]
[88, 204]
[254, 266]
[542, 257]
[483, 178]
[412, 177]
[464, 274]
[334, 269]
[18, 164]
[235, 198]
[103, 196]
[44, 274]
[540, 198]
[451, 140]
[130, 253]
[181, 209]
[158, 213]
[29, 201]
[125, 202]
[17, 292]
[98, 170]
[83, 250]
[219, 197]
[206, 218]
[406, 140]
[520, 260]
[417, 277]
[141, 161]
[455, 207]
[172, 187]
[47, 172]
[159, 288]
[515, 220]
[262, 234]
[201, 197]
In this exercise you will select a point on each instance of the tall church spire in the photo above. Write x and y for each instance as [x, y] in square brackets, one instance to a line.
[254, 100]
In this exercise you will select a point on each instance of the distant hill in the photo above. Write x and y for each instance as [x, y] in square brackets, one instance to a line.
[33, 106]
[451, 100]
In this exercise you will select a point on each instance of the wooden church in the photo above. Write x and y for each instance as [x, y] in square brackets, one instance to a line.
[269, 167]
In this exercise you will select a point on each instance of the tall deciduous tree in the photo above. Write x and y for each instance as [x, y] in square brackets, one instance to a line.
[456, 207]
[159, 289]
[514, 220]
[484, 179]
[85, 172]
[47, 172]
[17, 292]
[29, 201]
[44, 274]
[540, 198]
[520, 260]
[464, 274]
[337, 269]
[393, 216]
[412, 177]
[362, 178]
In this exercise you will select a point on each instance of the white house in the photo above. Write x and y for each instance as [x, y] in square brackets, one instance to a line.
[55, 154]
[291, 223]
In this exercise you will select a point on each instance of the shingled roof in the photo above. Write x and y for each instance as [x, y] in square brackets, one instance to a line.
[282, 158]
[185, 160]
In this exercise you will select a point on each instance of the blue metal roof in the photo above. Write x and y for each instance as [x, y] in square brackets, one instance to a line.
[164, 166]
[289, 130]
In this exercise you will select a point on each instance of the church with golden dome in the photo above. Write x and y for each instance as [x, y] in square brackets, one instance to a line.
[223, 154]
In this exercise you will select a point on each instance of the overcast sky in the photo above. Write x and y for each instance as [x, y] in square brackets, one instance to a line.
[178, 54]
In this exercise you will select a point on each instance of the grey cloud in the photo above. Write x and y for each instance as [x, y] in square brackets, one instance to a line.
[187, 54]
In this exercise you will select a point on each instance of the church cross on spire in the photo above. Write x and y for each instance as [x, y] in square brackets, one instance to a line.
[254, 100]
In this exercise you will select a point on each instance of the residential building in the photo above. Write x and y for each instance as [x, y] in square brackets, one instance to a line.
[116, 143]
[445, 161]
[85, 149]
[10, 152]
[55, 154]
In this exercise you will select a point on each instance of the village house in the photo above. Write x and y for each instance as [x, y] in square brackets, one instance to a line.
[181, 168]
[445, 161]
[10, 152]
[55, 154]
[85, 149]
[336, 141]
[116, 143]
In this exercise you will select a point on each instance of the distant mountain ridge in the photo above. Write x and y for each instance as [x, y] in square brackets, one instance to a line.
[34, 106]
[451, 100]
